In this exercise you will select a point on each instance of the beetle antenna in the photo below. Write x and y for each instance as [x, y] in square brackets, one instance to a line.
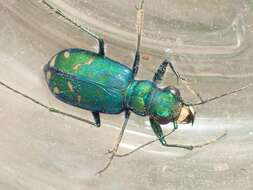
[219, 96]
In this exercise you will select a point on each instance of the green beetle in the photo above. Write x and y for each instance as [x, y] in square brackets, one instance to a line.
[97, 83]
[94, 82]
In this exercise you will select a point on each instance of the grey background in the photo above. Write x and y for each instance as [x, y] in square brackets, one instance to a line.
[210, 44]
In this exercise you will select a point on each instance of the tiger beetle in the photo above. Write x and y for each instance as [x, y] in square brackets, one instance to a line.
[99, 84]
[94, 82]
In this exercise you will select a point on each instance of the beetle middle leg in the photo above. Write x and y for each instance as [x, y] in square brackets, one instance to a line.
[116, 145]
[95, 36]
[139, 28]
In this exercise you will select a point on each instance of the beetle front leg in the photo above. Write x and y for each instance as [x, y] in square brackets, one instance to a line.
[157, 130]
[159, 133]
[185, 82]
[189, 147]
[158, 77]
[161, 71]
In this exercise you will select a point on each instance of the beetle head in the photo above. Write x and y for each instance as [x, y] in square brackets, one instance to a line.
[167, 105]
[182, 112]
[187, 115]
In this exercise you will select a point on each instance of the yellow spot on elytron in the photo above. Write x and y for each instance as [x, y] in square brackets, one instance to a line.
[90, 60]
[52, 62]
[48, 75]
[66, 54]
[77, 67]
[70, 86]
[79, 99]
[56, 90]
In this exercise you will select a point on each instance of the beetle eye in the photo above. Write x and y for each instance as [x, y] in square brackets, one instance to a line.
[173, 90]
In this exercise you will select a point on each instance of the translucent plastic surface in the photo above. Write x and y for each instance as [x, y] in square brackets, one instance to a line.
[208, 41]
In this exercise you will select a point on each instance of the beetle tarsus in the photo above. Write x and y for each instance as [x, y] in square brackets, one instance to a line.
[139, 28]
[108, 163]
[116, 146]
[144, 145]
[59, 12]
[162, 69]
[200, 145]
[188, 147]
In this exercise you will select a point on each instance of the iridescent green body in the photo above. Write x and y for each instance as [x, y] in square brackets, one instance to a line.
[99, 84]
[94, 82]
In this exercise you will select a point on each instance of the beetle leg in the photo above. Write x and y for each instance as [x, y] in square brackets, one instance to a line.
[139, 28]
[175, 125]
[160, 72]
[185, 82]
[101, 45]
[116, 146]
[162, 69]
[175, 72]
[99, 39]
[136, 64]
[189, 147]
[51, 109]
[96, 117]
[159, 133]
[157, 130]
